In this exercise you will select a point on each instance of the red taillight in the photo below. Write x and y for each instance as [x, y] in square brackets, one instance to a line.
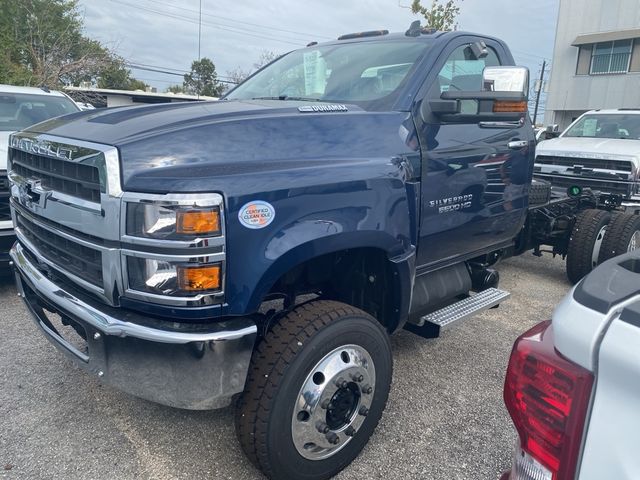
[547, 397]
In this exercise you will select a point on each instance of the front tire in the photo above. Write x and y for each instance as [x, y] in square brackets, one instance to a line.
[316, 389]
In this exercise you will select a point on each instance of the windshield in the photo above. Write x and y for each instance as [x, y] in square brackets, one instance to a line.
[621, 125]
[364, 73]
[19, 111]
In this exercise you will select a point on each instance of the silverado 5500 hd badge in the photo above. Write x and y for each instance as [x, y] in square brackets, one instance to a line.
[452, 204]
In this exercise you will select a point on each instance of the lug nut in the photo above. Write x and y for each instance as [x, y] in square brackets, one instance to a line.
[326, 403]
[332, 438]
[350, 431]
[367, 389]
[364, 411]
[96, 336]
[322, 427]
[341, 383]
[357, 377]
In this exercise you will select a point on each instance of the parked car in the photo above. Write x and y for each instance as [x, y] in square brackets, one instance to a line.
[21, 107]
[600, 151]
[572, 385]
[365, 185]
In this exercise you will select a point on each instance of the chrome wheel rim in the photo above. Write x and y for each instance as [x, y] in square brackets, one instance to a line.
[333, 402]
[597, 245]
[634, 242]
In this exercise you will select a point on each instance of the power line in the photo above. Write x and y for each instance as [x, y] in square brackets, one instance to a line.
[306, 35]
[209, 24]
[164, 70]
[220, 78]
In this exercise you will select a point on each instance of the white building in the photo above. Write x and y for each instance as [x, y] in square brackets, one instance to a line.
[596, 60]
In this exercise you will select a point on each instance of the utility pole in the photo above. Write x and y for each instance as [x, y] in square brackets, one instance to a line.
[538, 90]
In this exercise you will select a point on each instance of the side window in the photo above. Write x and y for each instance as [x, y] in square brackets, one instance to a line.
[463, 72]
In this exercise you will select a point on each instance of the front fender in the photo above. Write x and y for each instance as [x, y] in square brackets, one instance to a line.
[310, 223]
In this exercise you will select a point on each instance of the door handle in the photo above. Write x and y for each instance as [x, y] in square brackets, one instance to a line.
[518, 144]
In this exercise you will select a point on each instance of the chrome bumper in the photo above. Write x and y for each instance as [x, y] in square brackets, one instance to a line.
[197, 367]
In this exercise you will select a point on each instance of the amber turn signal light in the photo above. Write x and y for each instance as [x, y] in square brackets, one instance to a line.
[197, 279]
[193, 222]
[502, 106]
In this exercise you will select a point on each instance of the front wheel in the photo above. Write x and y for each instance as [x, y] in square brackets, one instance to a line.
[316, 389]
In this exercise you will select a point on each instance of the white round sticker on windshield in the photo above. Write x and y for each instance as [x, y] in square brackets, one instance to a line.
[256, 214]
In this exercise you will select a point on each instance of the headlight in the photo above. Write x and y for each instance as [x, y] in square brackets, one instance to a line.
[172, 222]
[174, 248]
[165, 277]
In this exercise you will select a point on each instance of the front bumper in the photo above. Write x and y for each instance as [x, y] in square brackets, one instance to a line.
[197, 367]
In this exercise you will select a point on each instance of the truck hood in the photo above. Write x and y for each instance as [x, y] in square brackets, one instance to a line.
[126, 125]
[576, 147]
[4, 142]
[236, 147]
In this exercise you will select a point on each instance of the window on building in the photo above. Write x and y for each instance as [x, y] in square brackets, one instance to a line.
[611, 57]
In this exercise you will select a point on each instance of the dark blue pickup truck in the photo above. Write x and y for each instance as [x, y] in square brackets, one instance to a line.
[261, 249]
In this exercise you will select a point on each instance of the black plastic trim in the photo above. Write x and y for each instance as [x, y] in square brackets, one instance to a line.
[631, 315]
[613, 282]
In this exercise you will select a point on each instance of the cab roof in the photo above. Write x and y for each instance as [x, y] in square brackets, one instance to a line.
[30, 91]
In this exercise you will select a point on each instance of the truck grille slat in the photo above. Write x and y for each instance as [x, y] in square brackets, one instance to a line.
[72, 257]
[71, 178]
[603, 164]
[5, 211]
[558, 181]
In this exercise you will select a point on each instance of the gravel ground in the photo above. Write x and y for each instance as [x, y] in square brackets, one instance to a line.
[445, 418]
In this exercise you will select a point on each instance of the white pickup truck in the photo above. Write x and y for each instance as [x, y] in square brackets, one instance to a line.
[600, 151]
[573, 384]
[21, 107]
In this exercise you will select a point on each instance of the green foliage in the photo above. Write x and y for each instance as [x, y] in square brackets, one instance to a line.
[175, 89]
[440, 16]
[41, 44]
[118, 77]
[203, 79]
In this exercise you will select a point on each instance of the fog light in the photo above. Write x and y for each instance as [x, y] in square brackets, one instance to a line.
[202, 278]
[198, 222]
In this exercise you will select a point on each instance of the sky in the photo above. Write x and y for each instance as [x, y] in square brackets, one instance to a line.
[163, 34]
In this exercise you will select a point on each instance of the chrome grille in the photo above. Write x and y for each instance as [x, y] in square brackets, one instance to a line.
[5, 211]
[601, 185]
[588, 163]
[74, 258]
[71, 178]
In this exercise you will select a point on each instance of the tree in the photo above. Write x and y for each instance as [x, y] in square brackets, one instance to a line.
[41, 43]
[440, 16]
[118, 77]
[266, 56]
[203, 79]
[175, 89]
[238, 75]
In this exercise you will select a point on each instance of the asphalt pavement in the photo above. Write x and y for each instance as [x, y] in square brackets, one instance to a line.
[445, 417]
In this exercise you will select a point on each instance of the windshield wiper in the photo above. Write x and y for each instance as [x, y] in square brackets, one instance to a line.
[287, 97]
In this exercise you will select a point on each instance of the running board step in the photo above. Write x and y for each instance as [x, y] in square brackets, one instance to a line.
[429, 326]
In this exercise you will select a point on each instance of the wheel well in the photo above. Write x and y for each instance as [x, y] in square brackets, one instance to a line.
[361, 277]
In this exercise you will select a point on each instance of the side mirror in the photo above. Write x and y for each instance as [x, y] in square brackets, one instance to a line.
[506, 79]
[504, 97]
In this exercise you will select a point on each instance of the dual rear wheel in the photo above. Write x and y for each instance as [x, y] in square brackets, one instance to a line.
[598, 236]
